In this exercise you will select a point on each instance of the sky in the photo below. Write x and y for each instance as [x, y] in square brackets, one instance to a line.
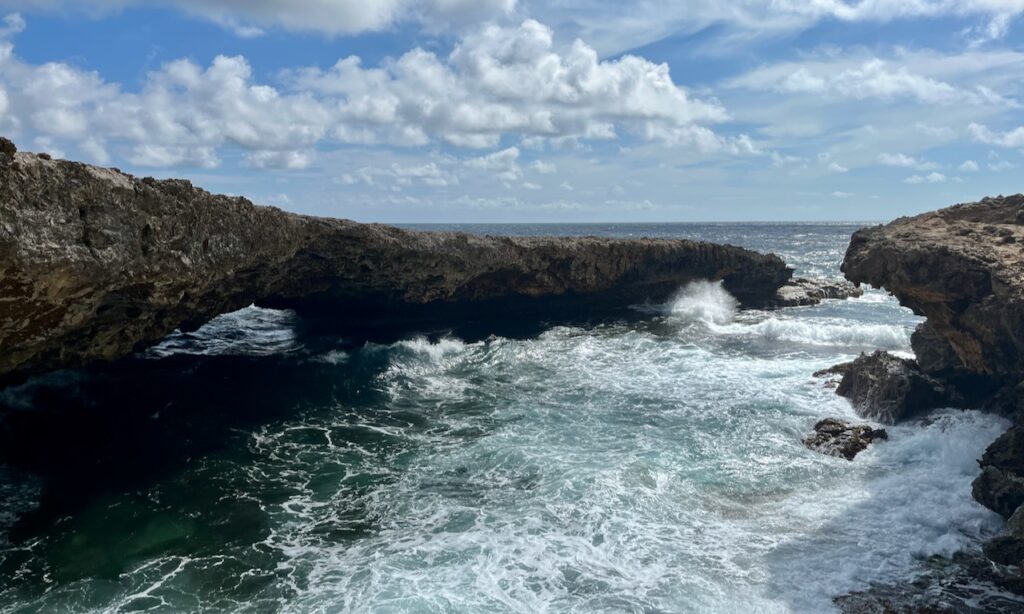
[532, 110]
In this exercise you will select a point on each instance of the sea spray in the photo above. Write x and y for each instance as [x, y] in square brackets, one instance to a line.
[642, 466]
[704, 301]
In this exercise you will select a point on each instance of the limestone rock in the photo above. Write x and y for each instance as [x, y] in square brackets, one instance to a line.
[888, 388]
[961, 267]
[1000, 487]
[95, 263]
[838, 438]
[802, 291]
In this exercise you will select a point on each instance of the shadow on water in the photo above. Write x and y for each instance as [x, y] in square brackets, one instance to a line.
[146, 458]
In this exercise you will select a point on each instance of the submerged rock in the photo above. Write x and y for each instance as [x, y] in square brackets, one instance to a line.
[802, 291]
[837, 438]
[95, 263]
[888, 388]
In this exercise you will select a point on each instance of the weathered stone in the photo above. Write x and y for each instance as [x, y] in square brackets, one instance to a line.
[888, 388]
[7, 148]
[945, 265]
[1000, 487]
[837, 438]
[1005, 550]
[95, 264]
[802, 291]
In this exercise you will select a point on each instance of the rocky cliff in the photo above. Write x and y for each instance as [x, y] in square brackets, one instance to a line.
[95, 263]
[963, 268]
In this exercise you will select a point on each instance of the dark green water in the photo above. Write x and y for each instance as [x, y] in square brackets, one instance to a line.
[649, 465]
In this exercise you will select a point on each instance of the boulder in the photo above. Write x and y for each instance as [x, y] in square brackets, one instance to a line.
[837, 438]
[802, 291]
[888, 388]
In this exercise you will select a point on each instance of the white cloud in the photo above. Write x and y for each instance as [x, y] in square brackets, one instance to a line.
[840, 194]
[835, 167]
[618, 26]
[332, 17]
[397, 176]
[873, 78]
[291, 160]
[904, 161]
[502, 163]
[982, 134]
[161, 156]
[95, 151]
[544, 168]
[496, 82]
[969, 166]
[13, 24]
[929, 178]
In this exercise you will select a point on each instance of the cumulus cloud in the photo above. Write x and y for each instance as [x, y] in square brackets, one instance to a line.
[969, 166]
[513, 81]
[496, 82]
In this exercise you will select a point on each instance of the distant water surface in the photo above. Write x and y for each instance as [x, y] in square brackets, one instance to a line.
[647, 466]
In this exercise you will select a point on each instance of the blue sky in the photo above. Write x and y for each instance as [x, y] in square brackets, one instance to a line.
[521, 110]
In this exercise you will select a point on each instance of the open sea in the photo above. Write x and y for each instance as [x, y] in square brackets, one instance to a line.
[653, 465]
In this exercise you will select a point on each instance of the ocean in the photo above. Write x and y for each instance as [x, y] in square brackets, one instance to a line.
[649, 465]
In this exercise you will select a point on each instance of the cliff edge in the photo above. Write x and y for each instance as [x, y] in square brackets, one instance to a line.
[96, 263]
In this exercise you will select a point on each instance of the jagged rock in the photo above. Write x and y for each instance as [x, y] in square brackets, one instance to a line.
[961, 267]
[1000, 487]
[837, 438]
[802, 291]
[888, 388]
[1009, 549]
[95, 264]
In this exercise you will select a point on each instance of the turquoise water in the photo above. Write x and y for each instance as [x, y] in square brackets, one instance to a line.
[653, 465]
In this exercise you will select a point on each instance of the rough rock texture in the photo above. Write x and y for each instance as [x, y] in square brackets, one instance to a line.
[95, 263]
[888, 388]
[1000, 486]
[838, 438]
[802, 291]
[962, 268]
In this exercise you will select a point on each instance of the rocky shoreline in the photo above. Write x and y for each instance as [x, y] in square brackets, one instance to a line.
[963, 269]
[96, 264]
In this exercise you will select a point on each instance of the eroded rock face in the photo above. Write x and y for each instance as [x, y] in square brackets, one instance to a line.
[95, 264]
[962, 268]
[888, 388]
[802, 291]
[837, 438]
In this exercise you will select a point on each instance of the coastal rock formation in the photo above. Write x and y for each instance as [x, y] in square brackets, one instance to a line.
[95, 264]
[838, 438]
[888, 388]
[963, 268]
[802, 291]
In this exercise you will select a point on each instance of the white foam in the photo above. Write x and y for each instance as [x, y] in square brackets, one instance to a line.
[822, 331]
[704, 301]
